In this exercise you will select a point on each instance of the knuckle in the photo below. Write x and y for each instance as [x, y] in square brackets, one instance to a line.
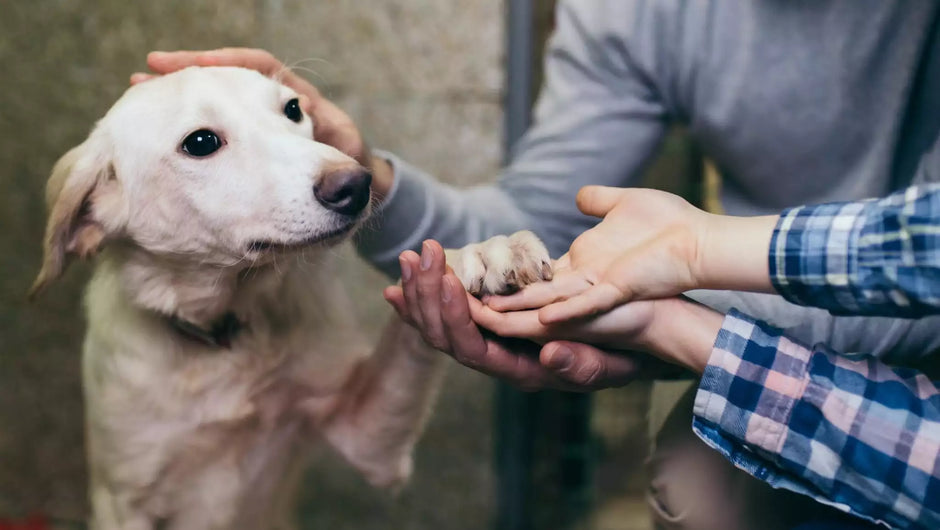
[463, 358]
[439, 344]
[591, 373]
[425, 289]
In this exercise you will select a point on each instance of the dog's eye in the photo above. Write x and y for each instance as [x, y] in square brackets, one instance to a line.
[292, 111]
[201, 143]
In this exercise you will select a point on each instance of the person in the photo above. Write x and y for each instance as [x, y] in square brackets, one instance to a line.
[773, 92]
[849, 430]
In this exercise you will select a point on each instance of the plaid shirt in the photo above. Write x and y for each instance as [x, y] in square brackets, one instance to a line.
[877, 257]
[848, 430]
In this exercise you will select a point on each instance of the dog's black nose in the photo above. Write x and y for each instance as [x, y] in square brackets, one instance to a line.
[344, 191]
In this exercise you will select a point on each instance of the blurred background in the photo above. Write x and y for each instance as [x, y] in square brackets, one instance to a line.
[423, 78]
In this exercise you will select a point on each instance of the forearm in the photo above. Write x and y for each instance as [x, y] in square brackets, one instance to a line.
[821, 423]
[416, 206]
[863, 258]
[733, 253]
[596, 122]
[682, 333]
[899, 341]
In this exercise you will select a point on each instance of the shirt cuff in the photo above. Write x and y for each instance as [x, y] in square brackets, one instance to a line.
[753, 378]
[813, 257]
[392, 226]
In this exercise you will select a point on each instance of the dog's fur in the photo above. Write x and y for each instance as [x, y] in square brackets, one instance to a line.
[184, 434]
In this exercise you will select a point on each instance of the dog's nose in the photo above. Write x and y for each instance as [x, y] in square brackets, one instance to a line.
[344, 191]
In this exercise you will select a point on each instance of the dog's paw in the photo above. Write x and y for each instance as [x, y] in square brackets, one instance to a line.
[501, 265]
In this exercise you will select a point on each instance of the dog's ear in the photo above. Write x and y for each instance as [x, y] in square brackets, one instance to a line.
[85, 203]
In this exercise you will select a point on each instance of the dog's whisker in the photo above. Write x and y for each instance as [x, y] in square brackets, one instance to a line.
[290, 66]
[311, 72]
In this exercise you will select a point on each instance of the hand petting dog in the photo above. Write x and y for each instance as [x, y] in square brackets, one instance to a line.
[332, 125]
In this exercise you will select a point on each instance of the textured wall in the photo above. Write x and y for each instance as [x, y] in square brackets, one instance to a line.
[400, 67]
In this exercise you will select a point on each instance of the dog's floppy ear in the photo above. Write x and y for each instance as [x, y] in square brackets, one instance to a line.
[85, 203]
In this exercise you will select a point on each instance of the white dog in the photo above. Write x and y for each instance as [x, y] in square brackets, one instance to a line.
[219, 343]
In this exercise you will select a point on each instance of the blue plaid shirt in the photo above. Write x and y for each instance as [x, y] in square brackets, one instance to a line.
[848, 430]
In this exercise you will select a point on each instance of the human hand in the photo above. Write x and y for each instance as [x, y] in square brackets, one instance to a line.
[650, 244]
[674, 330]
[332, 125]
[432, 299]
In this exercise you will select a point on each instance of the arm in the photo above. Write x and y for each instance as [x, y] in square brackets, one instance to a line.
[876, 257]
[849, 431]
[652, 244]
[597, 120]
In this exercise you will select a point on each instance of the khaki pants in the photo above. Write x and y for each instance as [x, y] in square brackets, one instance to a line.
[691, 486]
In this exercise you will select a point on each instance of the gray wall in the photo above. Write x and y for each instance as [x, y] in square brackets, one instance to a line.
[422, 77]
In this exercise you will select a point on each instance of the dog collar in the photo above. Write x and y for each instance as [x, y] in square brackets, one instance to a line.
[219, 334]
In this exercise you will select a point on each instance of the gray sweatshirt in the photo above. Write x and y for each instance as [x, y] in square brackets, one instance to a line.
[797, 102]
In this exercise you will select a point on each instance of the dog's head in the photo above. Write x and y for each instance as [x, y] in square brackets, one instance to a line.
[214, 166]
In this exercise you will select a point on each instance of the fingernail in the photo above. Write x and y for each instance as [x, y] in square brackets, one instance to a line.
[445, 290]
[405, 270]
[425, 257]
[561, 358]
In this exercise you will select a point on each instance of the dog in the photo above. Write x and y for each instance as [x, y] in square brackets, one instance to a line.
[219, 344]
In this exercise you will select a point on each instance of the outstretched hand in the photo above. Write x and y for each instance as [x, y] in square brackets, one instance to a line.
[650, 244]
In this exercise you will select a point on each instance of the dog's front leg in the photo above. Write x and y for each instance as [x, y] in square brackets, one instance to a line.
[389, 396]
[385, 404]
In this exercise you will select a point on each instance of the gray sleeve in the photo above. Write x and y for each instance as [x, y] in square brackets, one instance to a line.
[895, 340]
[597, 121]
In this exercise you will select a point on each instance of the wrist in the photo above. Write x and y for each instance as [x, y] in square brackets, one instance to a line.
[383, 176]
[682, 332]
[733, 253]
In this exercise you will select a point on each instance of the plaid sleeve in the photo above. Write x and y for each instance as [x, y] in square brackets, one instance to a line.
[849, 431]
[878, 257]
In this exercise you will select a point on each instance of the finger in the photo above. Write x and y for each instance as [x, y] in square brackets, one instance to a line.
[260, 60]
[461, 333]
[515, 324]
[263, 62]
[409, 266]
[428, 288]
[519, 369]
[540, 294]
[140, 77]
[599, 298]
[471, 349]
[588, 367]
[254, 59]
[396, 298]
[509, 361]
[161, 62]
[598, 200]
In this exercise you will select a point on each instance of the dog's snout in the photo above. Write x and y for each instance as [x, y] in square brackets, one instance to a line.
[344, 191]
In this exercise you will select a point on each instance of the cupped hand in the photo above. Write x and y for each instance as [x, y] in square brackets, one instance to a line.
[432, 299]
[675, 331]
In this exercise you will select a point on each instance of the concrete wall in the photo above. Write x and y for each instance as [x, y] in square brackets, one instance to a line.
[422, 77]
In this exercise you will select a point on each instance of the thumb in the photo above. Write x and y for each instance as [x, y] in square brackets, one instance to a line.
[598, 200]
